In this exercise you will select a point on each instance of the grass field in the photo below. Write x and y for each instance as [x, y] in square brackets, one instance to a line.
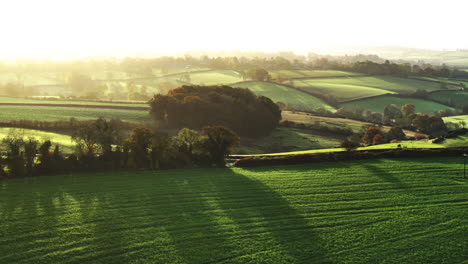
[293, 98]
[308, 73]
[375, 211]
[378, 104]
[359, 87]
[459, 98]
[65, 142]
[213, 77]
[17, 100]
[29, 79]
[354, 125]
[289, 139]
[443, 80]
[456, 119]
[51, 113]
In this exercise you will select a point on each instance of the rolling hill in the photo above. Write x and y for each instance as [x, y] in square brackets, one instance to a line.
[378, 104]
[294, 99]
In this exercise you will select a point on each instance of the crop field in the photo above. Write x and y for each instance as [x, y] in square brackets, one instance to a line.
[374, 211]
[309, 73]
[64, 141]
[288, 139]
[378, 104]
[52, 113]
[359, 87]
[293, 98]
[459, 98]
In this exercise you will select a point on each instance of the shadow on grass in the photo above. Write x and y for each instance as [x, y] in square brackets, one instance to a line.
[197, 216]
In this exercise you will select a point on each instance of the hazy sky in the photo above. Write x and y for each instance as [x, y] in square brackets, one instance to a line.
[69, 28]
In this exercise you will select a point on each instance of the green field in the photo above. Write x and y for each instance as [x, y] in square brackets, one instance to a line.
[30, 79]
[293, 98]
[378, 104]
[375, 211]
[288, 139]
[51, 113]
[443, 80]
[214, 77]
[308, 73]
[456, 119]
[65, 142]
[459, 98]
[359, 87]
[16, 100]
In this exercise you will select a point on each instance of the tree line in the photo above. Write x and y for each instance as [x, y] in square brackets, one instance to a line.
[101, 145]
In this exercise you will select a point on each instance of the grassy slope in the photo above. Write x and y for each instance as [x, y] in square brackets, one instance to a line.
[360, 87]
[214, 77]
[378, 104]
[377, 211]
[456, 119]
[288, 139]
[355, 125]
[293, 98]
[66, 145]
[444, 80]
[50, 113]
[460, 98]
[308, 73]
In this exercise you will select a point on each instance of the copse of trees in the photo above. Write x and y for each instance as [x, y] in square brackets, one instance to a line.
[197, 106]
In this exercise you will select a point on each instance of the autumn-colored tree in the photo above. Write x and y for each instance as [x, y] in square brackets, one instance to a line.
[379, 139]
[370, 134]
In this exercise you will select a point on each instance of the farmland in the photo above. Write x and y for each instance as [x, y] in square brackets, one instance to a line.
[293, 98]
[214, 77]
[16, 100]
[352, 212]
[359, 87]
[378, 104]
[458, 98]
[64, 141]
[52, 113]
[309, 73]
[456, 119]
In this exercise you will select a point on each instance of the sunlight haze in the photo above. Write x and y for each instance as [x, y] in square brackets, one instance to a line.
[68, 29]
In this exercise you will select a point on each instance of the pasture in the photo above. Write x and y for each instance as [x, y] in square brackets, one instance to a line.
[17, 100]
[456, 119]
[214, 77]
[309, 73]
[294, 99]
[378, 104]
[458, 98]
[53, 113]
[64, 141]
[374, 211]
[351, 88]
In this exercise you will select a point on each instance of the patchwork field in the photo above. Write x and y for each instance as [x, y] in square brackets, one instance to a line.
[376, 211]
[444, 80]
[309, 73]
[16, 100]
[359, 87]
[52, 113]
[459, 98]
[293, 98]
[378, 104]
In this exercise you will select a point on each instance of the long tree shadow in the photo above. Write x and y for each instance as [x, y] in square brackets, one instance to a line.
[384, 174]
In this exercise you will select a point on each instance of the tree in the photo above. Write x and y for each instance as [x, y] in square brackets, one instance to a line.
[370, 134]
[396, 133]
[107, 133]
[408, 110]
[348, 145]
[187, 140]
[219, 142]
[392, 112]
[433, 125]
[258, 74]
[30, 151]
[379, 139]
[139, 144]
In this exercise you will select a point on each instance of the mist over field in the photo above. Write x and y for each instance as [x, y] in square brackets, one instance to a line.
[233, 132]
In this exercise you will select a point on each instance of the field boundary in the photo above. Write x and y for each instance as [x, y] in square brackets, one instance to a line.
[115, 107]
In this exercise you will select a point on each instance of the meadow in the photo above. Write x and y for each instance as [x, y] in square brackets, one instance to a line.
[374, 211]
[214, 77]
[17, 100]
[351, 88]
[458, 98]
[52, 113]
[293, 98]
[378, 104]
[456, 119]
[309, 73]
[64, 141]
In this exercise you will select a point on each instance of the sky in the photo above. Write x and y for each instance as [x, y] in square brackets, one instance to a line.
[63, 29]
